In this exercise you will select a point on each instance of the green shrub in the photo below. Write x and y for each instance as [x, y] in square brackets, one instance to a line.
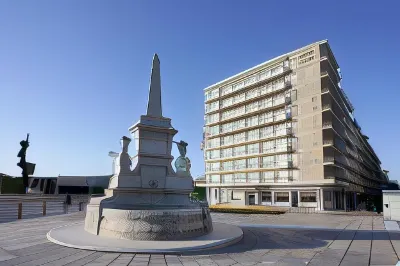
[12, 185]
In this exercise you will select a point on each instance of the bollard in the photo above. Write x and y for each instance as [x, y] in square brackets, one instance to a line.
[44, 208]
[20, 210]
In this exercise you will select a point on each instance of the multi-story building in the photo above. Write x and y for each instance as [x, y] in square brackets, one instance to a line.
[283, 133]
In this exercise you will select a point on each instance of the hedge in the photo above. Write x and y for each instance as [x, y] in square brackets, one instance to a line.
[247, 209]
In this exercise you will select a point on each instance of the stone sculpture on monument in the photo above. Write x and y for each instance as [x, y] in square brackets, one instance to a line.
[147, 199]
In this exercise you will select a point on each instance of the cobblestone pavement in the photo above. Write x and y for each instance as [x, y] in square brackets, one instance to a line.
[289, 239]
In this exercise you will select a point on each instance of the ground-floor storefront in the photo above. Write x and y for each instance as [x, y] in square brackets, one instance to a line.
[319, 198]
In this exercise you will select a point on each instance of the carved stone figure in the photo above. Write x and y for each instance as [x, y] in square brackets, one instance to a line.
[182, 163]
[182, 148]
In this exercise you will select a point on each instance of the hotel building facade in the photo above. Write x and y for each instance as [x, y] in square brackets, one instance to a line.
[283, 133]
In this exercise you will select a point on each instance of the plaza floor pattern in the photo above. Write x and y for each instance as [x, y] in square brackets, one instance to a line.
[289, 239]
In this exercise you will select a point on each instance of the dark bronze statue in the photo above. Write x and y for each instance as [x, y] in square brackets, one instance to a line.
[26, 167]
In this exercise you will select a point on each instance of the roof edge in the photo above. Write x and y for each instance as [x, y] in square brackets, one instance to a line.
[231, 78]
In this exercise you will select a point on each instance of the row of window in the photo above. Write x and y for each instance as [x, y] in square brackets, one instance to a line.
[280, 176]
[264, 118]
[249, 108]
[284, 196]
[251, 135]
[253, 93]
[272, 161]
[271, 146]
[260, 76]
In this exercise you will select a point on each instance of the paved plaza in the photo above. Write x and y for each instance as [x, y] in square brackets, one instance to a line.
[289, 239]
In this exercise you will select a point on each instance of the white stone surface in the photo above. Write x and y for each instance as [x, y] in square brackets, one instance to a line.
[75, 236]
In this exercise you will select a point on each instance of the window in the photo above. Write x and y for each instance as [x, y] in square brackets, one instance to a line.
[215, 166]
[227, 166]
[212, 143]
[227, 102]
[268, 162]
[228, 178]
[266, 196]
[254, 177]
[327, 196]
[239, 138]
[235, 196]
[268, 177]
[293, 63]
[314, 99]
[253, 148]
[226, 153]
[252, 163]
[281, 196]
[227, 89]
[252, 121]
[295, 110]
[308, 196]
[213, 179]
[240, 164]
[216, 194]
[269, 146]
[252, 134]
[267, 132]
[240, 178]
[212, 118]
[227, 140]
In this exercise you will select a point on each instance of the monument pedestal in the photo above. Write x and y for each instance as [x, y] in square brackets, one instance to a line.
[131, 214]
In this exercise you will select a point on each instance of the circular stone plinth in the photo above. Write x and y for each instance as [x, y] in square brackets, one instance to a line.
[75, 236]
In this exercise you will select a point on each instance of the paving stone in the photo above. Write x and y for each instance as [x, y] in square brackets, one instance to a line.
[122, 260]
[223, 260]
[86, 260]
[292, 262]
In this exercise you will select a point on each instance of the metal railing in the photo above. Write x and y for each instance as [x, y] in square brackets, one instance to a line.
[15, 207]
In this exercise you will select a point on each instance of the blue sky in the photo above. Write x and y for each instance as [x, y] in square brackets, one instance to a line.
[75, 74]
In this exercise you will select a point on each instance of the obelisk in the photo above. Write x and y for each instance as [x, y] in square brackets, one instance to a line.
[154, 107]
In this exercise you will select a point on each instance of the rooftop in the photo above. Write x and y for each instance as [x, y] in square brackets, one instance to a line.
[266, 63]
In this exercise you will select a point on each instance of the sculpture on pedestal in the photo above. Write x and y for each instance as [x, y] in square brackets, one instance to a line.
[182, 163]
[147, 199]
[27, 168]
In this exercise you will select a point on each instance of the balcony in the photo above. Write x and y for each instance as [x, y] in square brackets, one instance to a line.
[327, 125]
[329, 159]
[326, 107]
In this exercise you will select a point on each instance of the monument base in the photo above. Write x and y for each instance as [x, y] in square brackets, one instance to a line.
[75, 236]
[132, 215]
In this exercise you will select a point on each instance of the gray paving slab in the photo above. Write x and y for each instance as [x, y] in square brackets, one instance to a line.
[336, 239]
[104, 260]
[5, 255]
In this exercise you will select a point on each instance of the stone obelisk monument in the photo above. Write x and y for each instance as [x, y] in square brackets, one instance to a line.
[146, 198]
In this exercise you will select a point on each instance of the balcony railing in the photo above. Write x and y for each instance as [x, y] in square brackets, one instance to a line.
[327, 142]
[329, 159]
[327, 125]
[326, 106]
